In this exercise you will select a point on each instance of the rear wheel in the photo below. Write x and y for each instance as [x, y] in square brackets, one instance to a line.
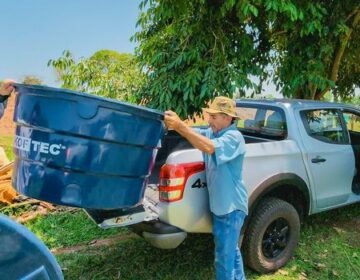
[271, 236]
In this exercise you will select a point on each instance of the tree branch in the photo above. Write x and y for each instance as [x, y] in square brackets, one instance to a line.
[312, 89]
[278, 33]
[352, 13]
[339, 55]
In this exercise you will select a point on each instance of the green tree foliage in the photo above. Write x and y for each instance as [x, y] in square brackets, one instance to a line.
[32, 80]
[194, 50]
[106, 73]
[319, 50]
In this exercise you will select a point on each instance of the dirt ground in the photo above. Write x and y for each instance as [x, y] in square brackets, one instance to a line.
[348, 224]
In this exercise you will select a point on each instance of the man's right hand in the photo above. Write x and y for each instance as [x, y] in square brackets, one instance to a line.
[172, 120]
[7, 87]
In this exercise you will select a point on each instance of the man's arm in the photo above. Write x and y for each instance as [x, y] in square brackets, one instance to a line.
[3, 98]
[199, 141]
[6, 89]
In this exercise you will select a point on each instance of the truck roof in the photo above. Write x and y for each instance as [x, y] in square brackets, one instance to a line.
[295, 103]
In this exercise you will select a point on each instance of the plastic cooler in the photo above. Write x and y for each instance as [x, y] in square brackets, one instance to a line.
[82, 150]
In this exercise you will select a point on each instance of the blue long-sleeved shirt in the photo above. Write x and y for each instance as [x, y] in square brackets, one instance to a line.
[226, 188]
[2, 105]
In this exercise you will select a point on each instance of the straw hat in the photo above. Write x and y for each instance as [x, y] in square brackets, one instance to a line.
[222, 104]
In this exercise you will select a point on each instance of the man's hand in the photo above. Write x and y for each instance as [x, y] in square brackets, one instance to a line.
[172, 120]
[7, 87]
[200, 142]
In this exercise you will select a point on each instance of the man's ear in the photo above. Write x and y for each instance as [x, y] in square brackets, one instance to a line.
[229, 118]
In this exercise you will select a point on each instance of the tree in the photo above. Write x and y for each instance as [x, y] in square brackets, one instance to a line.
[106, 73]
[320, 51]
[32, 80]
[194, 50]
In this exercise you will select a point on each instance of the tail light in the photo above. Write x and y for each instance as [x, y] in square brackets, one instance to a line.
[173, 179]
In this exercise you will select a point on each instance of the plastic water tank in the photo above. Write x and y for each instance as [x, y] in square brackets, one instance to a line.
[23, 255]
[82, 150]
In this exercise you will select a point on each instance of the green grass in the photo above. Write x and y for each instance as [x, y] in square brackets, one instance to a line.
[329, 248]
[7, 143]
[63, 229]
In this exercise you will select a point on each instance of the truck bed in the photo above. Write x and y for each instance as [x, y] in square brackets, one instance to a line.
[173, 142]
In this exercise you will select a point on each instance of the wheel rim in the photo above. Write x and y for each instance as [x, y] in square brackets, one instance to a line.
[275, 238]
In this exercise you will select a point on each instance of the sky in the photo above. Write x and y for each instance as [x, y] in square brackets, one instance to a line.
[35, 31]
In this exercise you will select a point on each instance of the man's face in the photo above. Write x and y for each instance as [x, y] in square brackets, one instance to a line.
[219, 121]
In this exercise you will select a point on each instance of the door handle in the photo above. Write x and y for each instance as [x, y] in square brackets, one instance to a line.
[318, 160]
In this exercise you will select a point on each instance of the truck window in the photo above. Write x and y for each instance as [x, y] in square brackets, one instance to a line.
[325, 125]
[352, 121]
[262, 121]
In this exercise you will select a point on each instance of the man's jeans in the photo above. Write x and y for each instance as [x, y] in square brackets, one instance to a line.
[228, 260]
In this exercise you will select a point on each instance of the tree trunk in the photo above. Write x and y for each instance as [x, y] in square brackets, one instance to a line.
[299, 94]
[339, 54]
[312, 90]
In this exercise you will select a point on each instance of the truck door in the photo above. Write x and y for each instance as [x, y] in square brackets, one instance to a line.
[328, 155]
[352, 120]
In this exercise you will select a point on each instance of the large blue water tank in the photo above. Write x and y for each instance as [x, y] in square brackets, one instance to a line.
[23, 255]
[82, 150]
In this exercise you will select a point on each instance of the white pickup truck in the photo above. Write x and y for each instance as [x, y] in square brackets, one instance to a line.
[302, 158]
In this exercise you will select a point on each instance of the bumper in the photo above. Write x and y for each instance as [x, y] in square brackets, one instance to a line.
[160, 235]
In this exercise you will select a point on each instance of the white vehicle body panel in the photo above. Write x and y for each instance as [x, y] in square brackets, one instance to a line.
[192, 213]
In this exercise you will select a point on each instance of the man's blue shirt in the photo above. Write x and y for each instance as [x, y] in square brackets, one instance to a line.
[2, 105]
[224, 171]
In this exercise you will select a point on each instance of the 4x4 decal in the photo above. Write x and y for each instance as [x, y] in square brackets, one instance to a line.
[198, 184]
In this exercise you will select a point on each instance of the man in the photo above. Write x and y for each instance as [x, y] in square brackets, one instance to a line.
[6, 88]
[223, 148]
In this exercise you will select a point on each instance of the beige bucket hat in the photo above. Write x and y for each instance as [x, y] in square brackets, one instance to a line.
[222, 104]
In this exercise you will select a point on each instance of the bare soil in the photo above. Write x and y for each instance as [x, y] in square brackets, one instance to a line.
[93, 244]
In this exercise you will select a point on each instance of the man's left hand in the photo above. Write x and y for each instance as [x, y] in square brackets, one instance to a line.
[7, 87]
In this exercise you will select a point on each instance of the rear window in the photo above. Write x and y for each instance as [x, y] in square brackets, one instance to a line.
[325, 125]
[262, 121]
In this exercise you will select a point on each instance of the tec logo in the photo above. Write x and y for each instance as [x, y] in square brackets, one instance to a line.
[27, 145]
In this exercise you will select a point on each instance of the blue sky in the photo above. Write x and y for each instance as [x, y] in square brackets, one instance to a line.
[34, 31]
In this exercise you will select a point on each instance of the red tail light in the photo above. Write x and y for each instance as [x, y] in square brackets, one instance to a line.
[173, 179]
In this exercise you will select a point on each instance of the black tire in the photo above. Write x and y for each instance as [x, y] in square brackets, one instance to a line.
[271, 236]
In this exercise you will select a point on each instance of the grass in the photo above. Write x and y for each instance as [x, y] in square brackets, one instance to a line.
[63, 229]
[7, 143]
[329, 248]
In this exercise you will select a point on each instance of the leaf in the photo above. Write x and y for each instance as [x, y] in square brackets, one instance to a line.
[186, 94]
[254, 10]
[283, 272]
[203, 91]
[320, 266]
